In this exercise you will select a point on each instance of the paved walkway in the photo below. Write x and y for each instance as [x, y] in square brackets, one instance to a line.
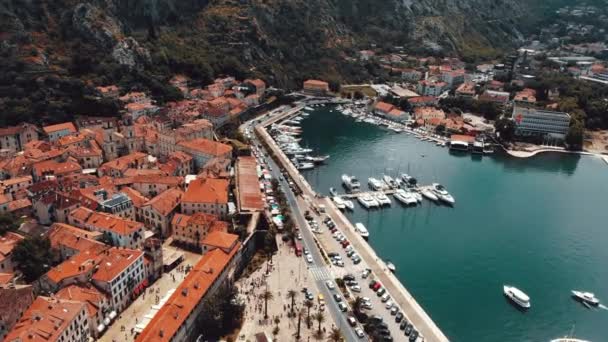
[120, 330]
[287, 272]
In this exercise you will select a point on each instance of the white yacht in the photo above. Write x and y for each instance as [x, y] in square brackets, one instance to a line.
[382, 199]
[360, 228]
[405, 197]
[368, 201]
[390, 182]
[517, 296]
[429, 194]
[376, 184]
[339, 202]
[306, 166]
[443, 194]
[349, 204]
[391, 266]
[568, 339]
[351, 182]
[586, 297]
[333, 192]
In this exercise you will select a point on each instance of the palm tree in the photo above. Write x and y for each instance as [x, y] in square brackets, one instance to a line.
[320, 318]
[300, 314]
[357, 304]
[291, 294]
[308, 304]
[266, 296]
[335, 335]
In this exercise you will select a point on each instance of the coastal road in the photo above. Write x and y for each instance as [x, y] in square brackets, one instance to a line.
[412, 310]
[319, 270]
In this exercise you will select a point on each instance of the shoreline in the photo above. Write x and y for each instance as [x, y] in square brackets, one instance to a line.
[411, 307]
[529, 154]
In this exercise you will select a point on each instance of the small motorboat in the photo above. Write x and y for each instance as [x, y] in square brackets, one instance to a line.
[349, 204]
[333, 192]
[517, 296]
[586, 297]
[391, 266]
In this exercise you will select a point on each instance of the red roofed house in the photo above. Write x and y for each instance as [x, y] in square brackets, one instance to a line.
[51, 319]
[248, 186]
[257, 84]
[97, 304]
[203, 150]
[526, 96]
[191, 230]
[158, 212]
[316, 87]
[152, 185]
[52, 169]
[466, 90]
[176, 320]
[7, 244]
[390, 112]
[118, 166]
[55, 132]
[206, 195]
[120, 274]
[15, 138]
[218, 239]
[69, 240]
[122, 232]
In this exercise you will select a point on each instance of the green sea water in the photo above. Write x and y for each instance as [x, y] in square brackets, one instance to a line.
[540, 224]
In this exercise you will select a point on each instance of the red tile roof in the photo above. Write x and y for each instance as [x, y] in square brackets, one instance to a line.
[250, 197]
[189, 293]
[45, 320]
[384, 107]
[115, 262]
[220, 239]
[166, 202]
[55, 168]
[206, 146]
[59, 127]
[207, 190]
[90, 296]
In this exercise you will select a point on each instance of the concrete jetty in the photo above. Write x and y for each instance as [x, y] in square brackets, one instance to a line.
[412, 310]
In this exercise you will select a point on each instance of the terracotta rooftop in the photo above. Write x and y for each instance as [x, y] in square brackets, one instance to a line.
[166, 202]
[103, 221]
[250, 197]
[206, 146]
[59, 127]
[90, 296]
[6, 278]
[115, 261]
[207, 190]
[384, 107]
[19, 204]
[62, 234]
[55, 168]
[188, 294]
[138, 199]
[45, 320]
[220, 239]
[79, 264]
[8, 243]
[316, 84]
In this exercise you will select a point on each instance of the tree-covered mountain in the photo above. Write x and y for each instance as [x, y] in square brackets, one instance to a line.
[53, 52]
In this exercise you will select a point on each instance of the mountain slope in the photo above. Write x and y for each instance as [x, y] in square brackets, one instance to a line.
[54, 51]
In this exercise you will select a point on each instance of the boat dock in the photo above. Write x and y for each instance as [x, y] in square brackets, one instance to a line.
[363, 193]
[413, 311]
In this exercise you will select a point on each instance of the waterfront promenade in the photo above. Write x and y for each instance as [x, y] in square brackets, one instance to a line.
[411, 308]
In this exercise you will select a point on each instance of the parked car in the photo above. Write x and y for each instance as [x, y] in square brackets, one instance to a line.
[351, 321]
[348, 277]
[389, 304]
[355, 288]
[399, 317]
[330, 284]
[403, 325]
[337, 297]
[359, 333]
[385, 297]
[380, 292]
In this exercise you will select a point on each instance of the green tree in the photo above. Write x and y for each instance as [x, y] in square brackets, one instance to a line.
[506, 128]
[574, 137]
[320, 318]
[266, 296]
[335, 335]
[300, 314]
[291, 294]
[7, 223]
[33, 257]
[308, 304]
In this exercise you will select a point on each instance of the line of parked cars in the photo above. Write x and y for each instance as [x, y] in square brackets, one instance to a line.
[348, 248]
[400, 318]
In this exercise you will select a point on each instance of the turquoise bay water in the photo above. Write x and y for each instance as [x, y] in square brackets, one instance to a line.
[539, 224]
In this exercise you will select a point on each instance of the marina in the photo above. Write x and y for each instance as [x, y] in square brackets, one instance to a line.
[446, 253]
